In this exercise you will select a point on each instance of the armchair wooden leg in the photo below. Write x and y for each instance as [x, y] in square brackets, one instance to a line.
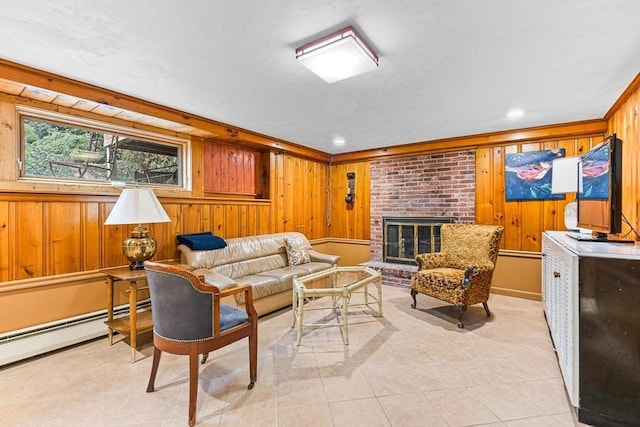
[253, 358]
[154, 369]
[413, 295]
[486, 309]
[193, 385]
[461, 310]
[204, 358]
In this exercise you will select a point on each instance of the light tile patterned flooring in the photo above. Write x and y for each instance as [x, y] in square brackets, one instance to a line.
[410, 368]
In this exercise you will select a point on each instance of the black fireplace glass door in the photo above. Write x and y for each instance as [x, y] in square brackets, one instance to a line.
[406, 237]
[393, 239]
[424, 239]
[407, 242]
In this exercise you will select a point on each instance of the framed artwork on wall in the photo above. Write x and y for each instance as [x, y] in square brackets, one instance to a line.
[595, 167]
[528, 175]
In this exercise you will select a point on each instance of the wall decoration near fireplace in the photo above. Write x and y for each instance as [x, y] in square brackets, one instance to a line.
[405, 237]
[528, 175]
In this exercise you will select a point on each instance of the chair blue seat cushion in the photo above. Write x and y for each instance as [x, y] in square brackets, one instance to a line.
[201, 241]
[231, 316]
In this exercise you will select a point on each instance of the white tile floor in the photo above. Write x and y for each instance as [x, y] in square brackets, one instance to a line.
[410, 368]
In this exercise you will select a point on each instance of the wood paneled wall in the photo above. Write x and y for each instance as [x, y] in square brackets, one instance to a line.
[49, 231]
[623, 120]
[523, 221]
[51, 234]
[300, 198]
[231, 170]
[48, 235]
[350, 220]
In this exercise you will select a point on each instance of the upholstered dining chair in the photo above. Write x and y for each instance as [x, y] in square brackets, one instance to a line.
[188, 319]
[461, 272]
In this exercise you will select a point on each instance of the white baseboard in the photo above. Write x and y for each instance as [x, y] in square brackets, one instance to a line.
[33, 345]
[25, 343]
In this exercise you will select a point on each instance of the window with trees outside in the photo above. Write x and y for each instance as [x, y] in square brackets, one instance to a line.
[62, 147]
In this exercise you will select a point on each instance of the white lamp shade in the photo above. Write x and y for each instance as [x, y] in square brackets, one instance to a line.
[137, 206]
[564, 178]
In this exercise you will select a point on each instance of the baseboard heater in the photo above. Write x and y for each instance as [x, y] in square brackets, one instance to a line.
[29, 342]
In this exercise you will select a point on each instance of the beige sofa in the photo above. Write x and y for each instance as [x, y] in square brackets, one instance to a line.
[260, 261]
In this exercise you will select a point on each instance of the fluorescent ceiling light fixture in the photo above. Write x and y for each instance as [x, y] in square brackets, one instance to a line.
[338, 56]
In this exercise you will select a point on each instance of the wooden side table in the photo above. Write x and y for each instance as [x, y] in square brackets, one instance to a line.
[135, 322]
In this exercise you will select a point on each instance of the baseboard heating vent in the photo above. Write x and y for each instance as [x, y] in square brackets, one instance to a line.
[29, 342]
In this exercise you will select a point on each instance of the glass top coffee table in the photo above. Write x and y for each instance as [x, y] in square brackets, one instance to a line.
[339, 283]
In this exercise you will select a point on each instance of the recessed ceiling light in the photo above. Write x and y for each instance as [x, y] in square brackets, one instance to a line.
[515, 114]
[338, 140]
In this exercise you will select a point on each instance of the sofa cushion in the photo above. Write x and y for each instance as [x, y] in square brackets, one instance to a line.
[285, 274]
[247, 267]
[297, 250]
[261, 287]
[312, 267]
[270, 282]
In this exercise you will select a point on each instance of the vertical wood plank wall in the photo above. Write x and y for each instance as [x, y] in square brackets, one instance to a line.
[47, 234]
[523, 221]
[300, 199]
[350, 220]
[623, 120]
[231, 171]
[53, 239]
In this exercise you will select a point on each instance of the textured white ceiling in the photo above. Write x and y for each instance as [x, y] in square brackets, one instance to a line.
[447, 68]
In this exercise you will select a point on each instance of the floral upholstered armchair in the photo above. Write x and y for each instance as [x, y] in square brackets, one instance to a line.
[461, 272]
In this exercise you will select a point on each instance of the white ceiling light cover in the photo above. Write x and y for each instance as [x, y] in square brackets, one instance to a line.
[338, 56]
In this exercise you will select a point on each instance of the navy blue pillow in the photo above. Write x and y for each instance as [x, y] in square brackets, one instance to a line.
[201, 241]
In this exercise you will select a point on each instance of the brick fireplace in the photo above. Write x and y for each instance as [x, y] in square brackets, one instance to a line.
[434, 185]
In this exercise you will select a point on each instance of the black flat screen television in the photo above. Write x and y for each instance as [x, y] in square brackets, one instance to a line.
[600, 192]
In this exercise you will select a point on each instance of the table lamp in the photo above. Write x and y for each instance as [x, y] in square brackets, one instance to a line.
[138, 206]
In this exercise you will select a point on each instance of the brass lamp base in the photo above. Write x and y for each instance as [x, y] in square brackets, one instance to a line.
[139, 247]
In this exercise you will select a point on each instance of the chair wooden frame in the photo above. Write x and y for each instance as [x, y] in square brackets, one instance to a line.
[194, 348]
